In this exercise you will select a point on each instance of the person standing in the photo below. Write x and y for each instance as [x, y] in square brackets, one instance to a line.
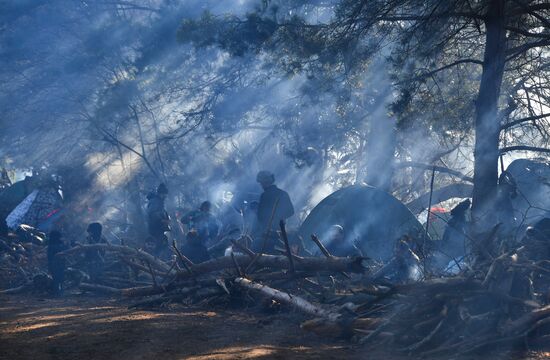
[158, 220]
[274, 205]
[94, 258]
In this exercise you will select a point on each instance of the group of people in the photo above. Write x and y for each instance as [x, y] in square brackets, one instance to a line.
[202, 228]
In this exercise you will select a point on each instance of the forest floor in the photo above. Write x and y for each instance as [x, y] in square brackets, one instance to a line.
[84, 327]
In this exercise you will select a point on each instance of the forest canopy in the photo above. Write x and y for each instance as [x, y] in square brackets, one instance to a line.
[203, 94]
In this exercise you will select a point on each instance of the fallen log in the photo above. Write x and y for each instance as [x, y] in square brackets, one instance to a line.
[333, 264]
[295, 301]
[140, 267]
[100, 288]
[18, 289]
[523, 323]
[126, 250]
[152, 290]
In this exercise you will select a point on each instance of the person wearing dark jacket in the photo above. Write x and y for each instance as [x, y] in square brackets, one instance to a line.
[56, 264]
[94, 258]
[455, 232]
[158, 220]
[275, 205]
[194, 248]
[204, 222]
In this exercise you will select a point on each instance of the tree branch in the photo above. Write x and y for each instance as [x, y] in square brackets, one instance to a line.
[442, 169]
[524, 148]
[523, 120]
[458, 62]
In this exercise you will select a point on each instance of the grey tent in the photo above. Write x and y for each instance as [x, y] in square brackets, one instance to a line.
[372, 217]
[532, 177]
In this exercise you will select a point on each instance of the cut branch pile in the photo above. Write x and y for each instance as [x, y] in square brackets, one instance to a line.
[22, 255]
[500, 303]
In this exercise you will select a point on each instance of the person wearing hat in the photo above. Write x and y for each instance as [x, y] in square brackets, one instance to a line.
[158, 220]
[274, 205]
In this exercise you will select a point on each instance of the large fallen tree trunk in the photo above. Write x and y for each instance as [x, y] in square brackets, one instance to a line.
[333, 264]
[120, 249]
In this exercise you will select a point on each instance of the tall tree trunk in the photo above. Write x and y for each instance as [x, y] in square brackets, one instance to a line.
[486, 123]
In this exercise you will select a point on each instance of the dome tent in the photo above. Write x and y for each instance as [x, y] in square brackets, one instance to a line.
[371, 217]
[532, 177]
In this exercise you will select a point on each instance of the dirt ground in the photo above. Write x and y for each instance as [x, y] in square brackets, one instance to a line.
[83, 327]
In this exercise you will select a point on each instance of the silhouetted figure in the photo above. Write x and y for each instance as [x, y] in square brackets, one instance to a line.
[94, 258]
[158, 221]
[455, 232]
[194, 248]
[274, 206]
[203, 222]
[56, 264]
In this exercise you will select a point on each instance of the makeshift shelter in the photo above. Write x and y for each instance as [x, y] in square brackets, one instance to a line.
[532, 177]
[371, 218]
[36, 209]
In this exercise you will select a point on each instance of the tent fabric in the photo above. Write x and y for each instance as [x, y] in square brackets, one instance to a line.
[371, 218]
[35, 208]
[532, 177]
[15, 218]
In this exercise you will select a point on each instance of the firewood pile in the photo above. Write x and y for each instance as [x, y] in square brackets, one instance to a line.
[499, 301]
[22, 255]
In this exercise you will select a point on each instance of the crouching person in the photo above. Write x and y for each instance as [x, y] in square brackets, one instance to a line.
[56, 264]
[195, 248]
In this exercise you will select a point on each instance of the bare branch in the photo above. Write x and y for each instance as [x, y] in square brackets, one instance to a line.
[523, 120]
[442, 169]
[524, 148]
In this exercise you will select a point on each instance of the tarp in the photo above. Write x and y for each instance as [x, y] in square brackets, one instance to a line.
[371, 217]
[35, 209]
[15, 218]
[533, 186]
